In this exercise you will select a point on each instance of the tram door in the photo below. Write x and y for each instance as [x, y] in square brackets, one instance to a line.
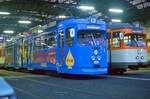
[29, 53]
[18, 50]
[65, 49]
[70, 49]
[60, 49]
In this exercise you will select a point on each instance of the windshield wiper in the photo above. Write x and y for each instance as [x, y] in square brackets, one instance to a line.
[93, 39]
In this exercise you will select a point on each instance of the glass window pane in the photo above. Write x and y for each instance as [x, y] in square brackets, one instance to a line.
[90, 38]
[69, 39]
[116, 40]
[134, 40]
[61, 39]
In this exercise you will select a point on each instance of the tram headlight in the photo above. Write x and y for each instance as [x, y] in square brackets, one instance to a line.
[96, 62]
[142, 57]
[137, 57]
[99, 58]
[93, 58]
[95, 52]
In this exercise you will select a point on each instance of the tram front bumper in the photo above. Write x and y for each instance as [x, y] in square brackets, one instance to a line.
[86, 71]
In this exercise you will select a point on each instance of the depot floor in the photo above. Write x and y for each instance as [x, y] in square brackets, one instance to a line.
[132, 85]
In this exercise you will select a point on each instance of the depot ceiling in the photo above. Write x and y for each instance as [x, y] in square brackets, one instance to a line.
[44, 11]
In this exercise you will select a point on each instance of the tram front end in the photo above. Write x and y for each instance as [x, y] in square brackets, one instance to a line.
[87, 55]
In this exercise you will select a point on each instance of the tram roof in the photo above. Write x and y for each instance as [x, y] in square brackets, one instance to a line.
[81, 20]
[123, 26]
[74, 21]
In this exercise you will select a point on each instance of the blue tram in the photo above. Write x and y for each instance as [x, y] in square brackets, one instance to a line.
[72, 46]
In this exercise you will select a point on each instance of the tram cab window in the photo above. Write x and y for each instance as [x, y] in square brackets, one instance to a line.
[134, 40]
[61, 39]
[70, 33]
[51, 41]
[90, 38]
[116, 40]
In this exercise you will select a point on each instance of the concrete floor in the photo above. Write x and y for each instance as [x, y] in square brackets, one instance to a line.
[128, 86]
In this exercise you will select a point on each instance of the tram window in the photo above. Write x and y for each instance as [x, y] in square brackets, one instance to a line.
[116, 40]
[51, 41]
[61, 39]
[37, 43]
[134, 40]
[69, 39]
[43, 42]
[90, 38]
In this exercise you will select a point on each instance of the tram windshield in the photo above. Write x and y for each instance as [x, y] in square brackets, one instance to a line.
[134, 40]
[89, 38]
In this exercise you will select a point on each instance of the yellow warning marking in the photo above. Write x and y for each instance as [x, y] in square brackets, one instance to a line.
[69, 60]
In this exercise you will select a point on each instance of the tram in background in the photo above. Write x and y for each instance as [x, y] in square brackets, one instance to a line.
[127, 47]
[148, 48]
[2, 58]
[72, 46]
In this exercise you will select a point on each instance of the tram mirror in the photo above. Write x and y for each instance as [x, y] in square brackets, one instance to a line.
[121, 36]
[72, 32]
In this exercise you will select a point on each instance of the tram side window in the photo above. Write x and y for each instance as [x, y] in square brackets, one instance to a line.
[134, 40]
[69, 39]
[43, 41]
[61, 39]
[116, 40]
[51, 41]
[37, 43]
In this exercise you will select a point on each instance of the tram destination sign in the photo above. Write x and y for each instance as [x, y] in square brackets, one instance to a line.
[93, 27]
[138, 31]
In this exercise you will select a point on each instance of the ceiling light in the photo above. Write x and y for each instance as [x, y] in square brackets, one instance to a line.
[8, 40]
[8, 31]
[24, 22]
[62, 16]
[116, 20]
[86, 8]
[4, 13]
[116, 10]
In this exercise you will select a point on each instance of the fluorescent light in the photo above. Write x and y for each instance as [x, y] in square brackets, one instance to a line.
[8, 31]
[1, 38]
[116, 10]
[86, 8]
[116, 20]
[9, 40]
[5, 13]
[24, 22]
[62, 16]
